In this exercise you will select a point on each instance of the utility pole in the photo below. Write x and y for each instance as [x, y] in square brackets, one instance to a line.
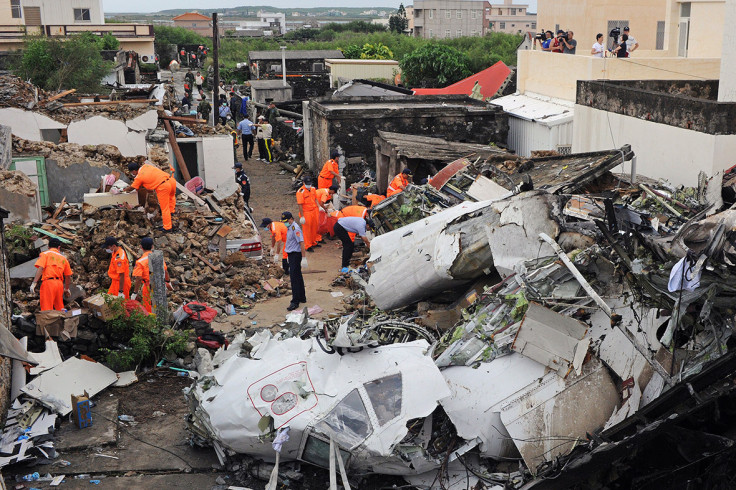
[216, 63]
[283, 64]
[158, 282]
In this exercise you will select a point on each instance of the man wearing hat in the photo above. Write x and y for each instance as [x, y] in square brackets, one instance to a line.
[155, 179]
[119, 269]
[306, 199]
[263, 135]
[631, 43]
[278, 241]
[399, 183]
[142, 275]
[297, 259]
[55, 273]
[330, 171]
[244, 183]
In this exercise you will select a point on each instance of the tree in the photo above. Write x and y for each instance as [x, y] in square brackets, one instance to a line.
[434, 65]
[53, 64]
[377, 51]
[352, 51]
[398, 22]
[109, 42]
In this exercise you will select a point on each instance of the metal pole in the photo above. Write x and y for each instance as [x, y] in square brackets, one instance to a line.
[216, 63]
[283, 64]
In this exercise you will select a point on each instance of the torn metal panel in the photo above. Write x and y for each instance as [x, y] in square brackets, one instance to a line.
[47, 359]
[555, 340]
[11, 347]
[362, 400]
[549, 418]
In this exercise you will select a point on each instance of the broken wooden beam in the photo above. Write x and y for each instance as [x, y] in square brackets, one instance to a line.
[62, 205]
[111, 102]
[182, 119]
[59, 95]
[180, 162]
[214, 206]
[215, 268]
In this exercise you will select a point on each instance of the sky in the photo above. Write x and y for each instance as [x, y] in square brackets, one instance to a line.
[203, 5]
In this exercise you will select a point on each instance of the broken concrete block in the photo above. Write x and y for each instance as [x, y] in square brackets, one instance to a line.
[108, 199]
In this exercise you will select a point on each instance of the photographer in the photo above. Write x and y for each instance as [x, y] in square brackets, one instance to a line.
[556, 45]
[569, 45]
[598, 50]
[547, 43]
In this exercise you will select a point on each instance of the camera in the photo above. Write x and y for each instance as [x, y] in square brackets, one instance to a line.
[542, 36]
[615, 33]
[561, 36]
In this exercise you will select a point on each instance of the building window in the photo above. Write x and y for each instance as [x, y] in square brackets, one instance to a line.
[431, 13]
[500, 12]
[430, 34]
[611, 25]
[459, 14]
[459, 33]
[447, 32]
[15, 9]
[685, 9]
[660, 34]
[472, 14]
[534, 25]
[82, 15]
[502, 25]
[490, 25]
[513, 12]
[448, 14]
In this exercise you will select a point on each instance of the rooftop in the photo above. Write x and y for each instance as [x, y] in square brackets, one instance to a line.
[490, 80]
[192, 16]
[400, 106]
[306, 54]
[268, 84]
[346, 61]
[541, 110]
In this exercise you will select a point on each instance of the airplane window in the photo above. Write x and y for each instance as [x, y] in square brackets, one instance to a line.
[348, 422]
[385, 395]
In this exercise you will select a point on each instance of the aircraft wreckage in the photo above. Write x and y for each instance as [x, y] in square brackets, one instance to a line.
[607, 331]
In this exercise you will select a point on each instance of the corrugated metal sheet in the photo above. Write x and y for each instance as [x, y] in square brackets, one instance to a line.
[536, 124]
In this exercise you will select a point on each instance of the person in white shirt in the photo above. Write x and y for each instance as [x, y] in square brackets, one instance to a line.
[631, 43]
[599, 49]
[263, 137]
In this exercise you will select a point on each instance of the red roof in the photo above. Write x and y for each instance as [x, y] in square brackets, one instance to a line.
[490, 81]
[191, 16]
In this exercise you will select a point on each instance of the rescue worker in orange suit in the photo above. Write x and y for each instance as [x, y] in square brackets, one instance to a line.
[306, 198]
[323, 197]
[155, 179]
[369, 199]
[55, 273]
[330, 171]
[278, 241]
[119, 269]
[142, 275]
[399, 183]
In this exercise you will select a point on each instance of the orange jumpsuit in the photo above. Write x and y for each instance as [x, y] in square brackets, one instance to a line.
[141, 270]
[374, 198]
[55, 267]
[323, 196]
[397, 185]
[307, 198]
[325, 176]
[278, 232]
[155, 179]
[119, 265]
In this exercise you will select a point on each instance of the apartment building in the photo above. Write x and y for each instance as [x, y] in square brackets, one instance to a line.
[510, 18]
[449, 18]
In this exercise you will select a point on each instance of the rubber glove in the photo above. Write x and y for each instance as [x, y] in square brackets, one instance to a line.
[276, 259]
[133, 296]
[33, 288]
[121, 295]
[305, 264]
[302, 220]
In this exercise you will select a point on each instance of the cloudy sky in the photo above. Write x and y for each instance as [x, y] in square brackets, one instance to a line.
[204, 5]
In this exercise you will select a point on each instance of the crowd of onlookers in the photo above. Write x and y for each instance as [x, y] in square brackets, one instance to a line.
[564, 42]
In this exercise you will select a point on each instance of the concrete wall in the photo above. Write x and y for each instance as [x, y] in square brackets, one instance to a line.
[218, 159]
[128, 136]
[264, 96]
[362, 69]
[705, 38]
[662, 151]
[62, 11]
[22, 208]
[73, 181]
[556, 75]
[28, 125]
[5, 312]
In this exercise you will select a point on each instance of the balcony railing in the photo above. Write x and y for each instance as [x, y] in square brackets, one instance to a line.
[15, 31]
[117, 30]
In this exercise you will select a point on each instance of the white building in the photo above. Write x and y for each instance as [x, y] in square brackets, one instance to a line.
[269, 23]
[56, 12]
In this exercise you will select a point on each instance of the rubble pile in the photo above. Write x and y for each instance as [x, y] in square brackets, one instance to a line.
[121, 112]
[610, 295]
[17, 182]
[65, 154]
[15, 92]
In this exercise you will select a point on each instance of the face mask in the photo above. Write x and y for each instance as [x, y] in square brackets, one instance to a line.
[108, 250]
[307, 186]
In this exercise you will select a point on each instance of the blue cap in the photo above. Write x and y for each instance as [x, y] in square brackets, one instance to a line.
[147, 243]
[238, 165]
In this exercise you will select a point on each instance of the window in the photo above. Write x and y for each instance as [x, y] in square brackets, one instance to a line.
[459, 14]
[82, 15]
[472, 14]
[447, 32]
[317, 451]
[685, 9]
[512, 12]
[431, 35]
[431, 13]
[459, 33]
[502, 25]
[660, 35]
[611, 25]
[348, 423]
[448, 14]
[15, 9]
[385, 396]
[500, 12]
[534, 25]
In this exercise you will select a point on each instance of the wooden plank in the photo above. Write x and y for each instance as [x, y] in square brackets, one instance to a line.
[222, 246]
[191, 195]
[213, 231]
[129, 251]
[112, 102]
[58, 210]
[49, 234]
[214, 206]
[224, 230]
[215, 268]
[59, 95]
[180, 162]
[182, 119]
